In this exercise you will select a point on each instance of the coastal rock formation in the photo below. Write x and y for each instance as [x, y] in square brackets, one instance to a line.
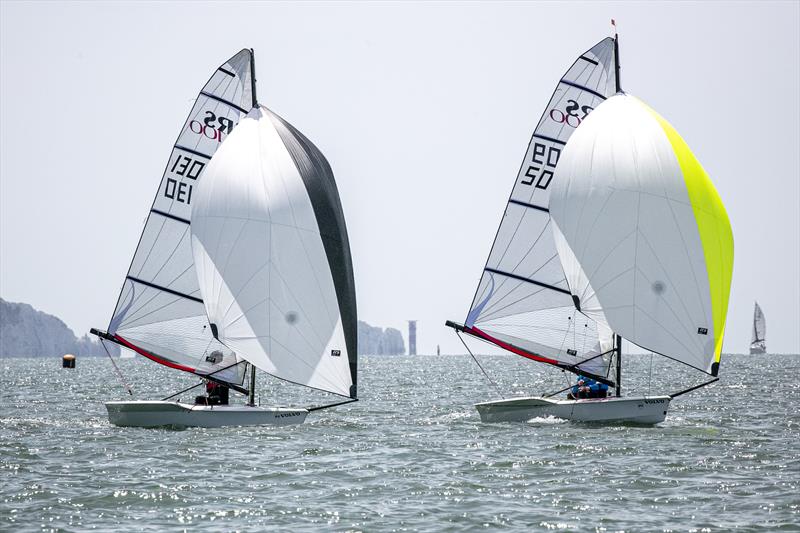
[373, 340]
[26, 332]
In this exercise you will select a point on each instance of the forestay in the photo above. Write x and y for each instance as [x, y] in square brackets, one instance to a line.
[273, 258]
[160, 312]
[639, 214]
[523, 301]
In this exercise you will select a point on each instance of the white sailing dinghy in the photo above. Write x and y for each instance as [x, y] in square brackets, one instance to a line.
[244, 262]
[612, 230]
[758, 345]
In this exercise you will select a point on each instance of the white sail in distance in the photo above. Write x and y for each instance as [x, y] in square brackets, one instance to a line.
[758, 344]
[523, 302]
[646, 227]
[160, 313]
[273, 258]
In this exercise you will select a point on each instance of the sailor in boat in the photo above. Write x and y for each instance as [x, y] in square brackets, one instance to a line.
[598, 390]
[587, 388]
[216, 394]
[576, 389]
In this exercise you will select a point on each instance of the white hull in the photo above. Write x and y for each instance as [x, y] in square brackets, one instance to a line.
[147, 414]
[637, 410]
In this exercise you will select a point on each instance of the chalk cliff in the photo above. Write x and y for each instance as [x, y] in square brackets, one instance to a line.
[26, 332]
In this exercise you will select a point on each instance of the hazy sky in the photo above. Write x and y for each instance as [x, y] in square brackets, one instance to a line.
[424, 112]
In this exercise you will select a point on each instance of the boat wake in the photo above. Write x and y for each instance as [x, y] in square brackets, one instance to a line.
[546, 420]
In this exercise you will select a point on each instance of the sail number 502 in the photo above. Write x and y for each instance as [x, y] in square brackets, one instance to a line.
[544, 161]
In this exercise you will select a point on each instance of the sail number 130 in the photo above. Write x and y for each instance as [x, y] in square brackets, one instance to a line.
[543, 163]
[185, 167]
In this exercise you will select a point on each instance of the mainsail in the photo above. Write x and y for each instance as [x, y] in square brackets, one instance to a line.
[642, 221]
[273, 258]
[523, 302]
[759, 343]
[160, 312]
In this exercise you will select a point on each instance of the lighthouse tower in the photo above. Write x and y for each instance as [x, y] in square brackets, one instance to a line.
[412, 337]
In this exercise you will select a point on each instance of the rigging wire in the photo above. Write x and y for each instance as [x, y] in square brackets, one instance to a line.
[479, 365]
[119, 374]
[650, 376]
[561, 349]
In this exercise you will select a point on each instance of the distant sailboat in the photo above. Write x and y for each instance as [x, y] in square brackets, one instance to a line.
[244, 259]
[612, 230]
[759, 343]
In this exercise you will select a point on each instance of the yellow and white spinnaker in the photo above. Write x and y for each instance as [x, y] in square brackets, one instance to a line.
[642, 232]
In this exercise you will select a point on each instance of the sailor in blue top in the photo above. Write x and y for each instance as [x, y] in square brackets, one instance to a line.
[598, 390]
[588, 388]
[579, 390]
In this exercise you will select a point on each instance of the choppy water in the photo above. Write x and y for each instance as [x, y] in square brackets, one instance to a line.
[412, 455]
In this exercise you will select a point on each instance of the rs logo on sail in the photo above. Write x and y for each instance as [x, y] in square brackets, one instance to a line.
[213, 127]
[569, 116]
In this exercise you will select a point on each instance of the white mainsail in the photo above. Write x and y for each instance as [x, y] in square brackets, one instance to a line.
[645, 225]
[160, 311]
[273, 258]
[758, 344]
[523, 302]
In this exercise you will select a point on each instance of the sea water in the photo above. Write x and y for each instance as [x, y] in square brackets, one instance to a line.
[411, 455]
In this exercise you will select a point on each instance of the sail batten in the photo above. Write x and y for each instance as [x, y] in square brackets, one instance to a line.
[582, 88]
[530, 206]
[194, 152]
[164, 289]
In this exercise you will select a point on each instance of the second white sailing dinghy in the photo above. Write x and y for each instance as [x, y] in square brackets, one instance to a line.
[244, 263]
[612, 230]
[758, 345]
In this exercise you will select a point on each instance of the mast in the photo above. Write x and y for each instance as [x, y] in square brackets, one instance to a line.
[251, 395]
[618, 349]
[618, 86]
[616, 58]
[253, 77]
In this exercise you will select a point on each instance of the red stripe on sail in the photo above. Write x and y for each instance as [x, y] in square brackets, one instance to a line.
[511, 348]
[153, 357]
